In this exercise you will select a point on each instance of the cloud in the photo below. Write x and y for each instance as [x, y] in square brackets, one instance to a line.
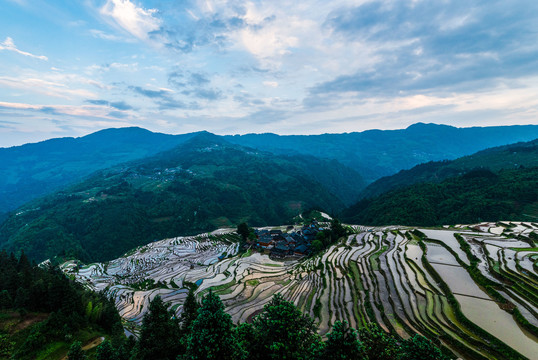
[9, 45]
[161, 93]
[120, 105]
[137, 21]
[429, 46]
[194, 84]
[50, 88]
[90, 111]
[164, 98]
[105, 36]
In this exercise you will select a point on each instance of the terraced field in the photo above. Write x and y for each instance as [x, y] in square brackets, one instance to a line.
[472, 288]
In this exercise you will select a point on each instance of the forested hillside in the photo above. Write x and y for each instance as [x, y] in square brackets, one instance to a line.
[33, 170]
[377, 153]
[42, 312]
[201, 185]
[513, 156]
[479, 195]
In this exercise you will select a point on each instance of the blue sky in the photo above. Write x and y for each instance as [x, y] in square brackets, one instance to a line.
[72, 67]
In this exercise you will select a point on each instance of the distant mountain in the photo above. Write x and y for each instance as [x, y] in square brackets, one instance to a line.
[376, 153]
[513, 156]
[203, 184]
[491, 185]
[32, 170]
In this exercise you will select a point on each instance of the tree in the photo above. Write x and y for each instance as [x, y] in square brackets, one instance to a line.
[420, 348]
[283, 331]
[76, 352]
[243, 230]
[160, 333]
[6, 346]
[211, 334]
[190, 311]
[377, 344]
[342, 343]
[245, 336]
[105, 351]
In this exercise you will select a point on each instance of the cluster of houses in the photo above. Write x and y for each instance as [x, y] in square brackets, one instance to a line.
[293, 242]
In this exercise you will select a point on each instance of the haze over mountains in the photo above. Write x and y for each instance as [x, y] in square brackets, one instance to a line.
[127, 187]
[33, 170]
[198, 186]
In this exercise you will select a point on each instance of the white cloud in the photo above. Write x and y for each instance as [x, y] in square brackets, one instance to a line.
[105, 36]
[63, 89]
[271, 83]
[135, 20]
[8, 44]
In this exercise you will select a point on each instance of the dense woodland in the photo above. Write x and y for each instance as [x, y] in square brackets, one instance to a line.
[479, 195]
[42, 312]
[513, 156]
[199, 187]
[280, 331]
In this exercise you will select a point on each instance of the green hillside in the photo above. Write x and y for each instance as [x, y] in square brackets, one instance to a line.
[378, 153]
[479, 195]
[201, 185]
[42, 312]
[522, 154]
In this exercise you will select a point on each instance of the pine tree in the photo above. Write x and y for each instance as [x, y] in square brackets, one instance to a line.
[420, 348]
[105, 351]
[190, 311]
[76, 352]
[160, 333]
[283, 331]
[211, 335]
[342, 343]
[377, 344]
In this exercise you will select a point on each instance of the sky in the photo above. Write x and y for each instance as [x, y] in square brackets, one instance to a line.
[73, 67]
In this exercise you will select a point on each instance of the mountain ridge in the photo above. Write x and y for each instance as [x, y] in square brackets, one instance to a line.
[197, 186]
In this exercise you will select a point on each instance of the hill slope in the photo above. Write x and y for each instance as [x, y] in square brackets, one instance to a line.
[376, 153]
[33, 170]
[479, 195]
[502, 157]
[201, 185]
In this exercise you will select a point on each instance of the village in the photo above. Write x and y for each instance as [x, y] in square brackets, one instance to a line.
[296, 242]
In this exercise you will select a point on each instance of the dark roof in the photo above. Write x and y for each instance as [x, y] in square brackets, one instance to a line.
[282, 246]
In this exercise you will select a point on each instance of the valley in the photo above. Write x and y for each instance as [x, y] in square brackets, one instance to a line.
[470, 287]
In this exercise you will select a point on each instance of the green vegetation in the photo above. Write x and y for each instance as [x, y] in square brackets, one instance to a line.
[503, 157]
[377, 153]
[43, 314]
[33, 170]
[480, 195]
[196, 187]
[280, 331]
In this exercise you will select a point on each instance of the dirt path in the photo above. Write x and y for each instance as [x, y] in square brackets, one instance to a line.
[90, 345]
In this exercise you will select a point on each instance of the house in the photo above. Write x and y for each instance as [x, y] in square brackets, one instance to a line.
[301, 250]
[281, 249]
[265, 241]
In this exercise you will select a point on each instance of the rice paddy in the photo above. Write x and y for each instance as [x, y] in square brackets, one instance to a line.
[476, 294]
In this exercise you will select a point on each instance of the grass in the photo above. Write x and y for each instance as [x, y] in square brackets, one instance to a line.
[253, 282]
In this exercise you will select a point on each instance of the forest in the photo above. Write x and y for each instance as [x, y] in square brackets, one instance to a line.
[42, 311]
[476, 196]
[205, 331]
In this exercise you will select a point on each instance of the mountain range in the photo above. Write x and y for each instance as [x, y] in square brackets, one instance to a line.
[32, 170]
[98, 196]
[202, 184]
[491, 185]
